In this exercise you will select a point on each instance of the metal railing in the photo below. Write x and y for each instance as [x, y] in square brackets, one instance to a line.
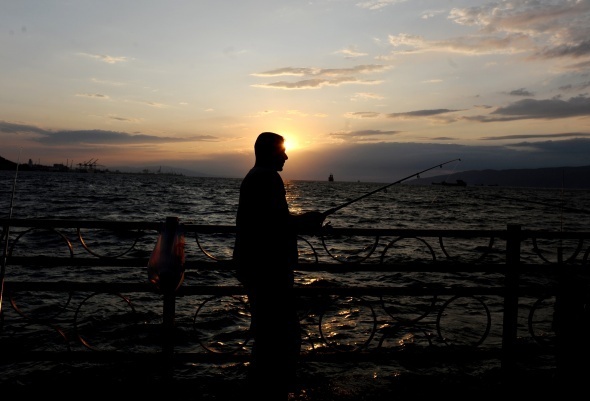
[78, 291]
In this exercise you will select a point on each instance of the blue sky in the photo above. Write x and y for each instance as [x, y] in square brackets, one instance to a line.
[366, 90]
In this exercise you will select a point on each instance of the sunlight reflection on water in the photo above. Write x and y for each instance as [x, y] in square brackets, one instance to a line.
[213, 201]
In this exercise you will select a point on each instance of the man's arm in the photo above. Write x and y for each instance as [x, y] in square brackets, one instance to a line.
[308, 223]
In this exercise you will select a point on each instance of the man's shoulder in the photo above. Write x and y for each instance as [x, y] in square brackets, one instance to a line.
[262, 174]
[256, 170]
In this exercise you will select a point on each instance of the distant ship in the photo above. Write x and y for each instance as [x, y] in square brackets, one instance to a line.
[331, 177]
[457, 183]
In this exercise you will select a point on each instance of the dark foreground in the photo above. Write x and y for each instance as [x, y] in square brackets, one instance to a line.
[316, 383]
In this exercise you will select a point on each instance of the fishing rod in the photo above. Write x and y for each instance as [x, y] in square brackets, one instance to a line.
[6, 233]
[335, 209]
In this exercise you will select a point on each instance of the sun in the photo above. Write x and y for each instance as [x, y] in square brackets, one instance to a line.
[291, 143]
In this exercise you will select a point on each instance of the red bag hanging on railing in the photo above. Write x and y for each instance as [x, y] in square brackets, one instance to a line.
[166, 263]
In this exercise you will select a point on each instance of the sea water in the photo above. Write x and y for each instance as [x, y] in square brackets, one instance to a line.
[213, 201]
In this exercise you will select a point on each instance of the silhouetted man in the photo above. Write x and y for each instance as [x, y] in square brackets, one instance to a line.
[266, 254]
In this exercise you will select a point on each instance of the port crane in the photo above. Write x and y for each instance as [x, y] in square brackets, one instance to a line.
[89, 165]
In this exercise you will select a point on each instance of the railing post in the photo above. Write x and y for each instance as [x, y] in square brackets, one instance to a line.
[169, 311]
[572, 322]
[166, 271]
[169, 302]
[510, 318]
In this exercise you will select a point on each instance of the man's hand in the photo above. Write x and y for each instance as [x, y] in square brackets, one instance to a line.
[310, 222]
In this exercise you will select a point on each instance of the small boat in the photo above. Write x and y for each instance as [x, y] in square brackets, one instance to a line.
[331, 178]
[457, 183]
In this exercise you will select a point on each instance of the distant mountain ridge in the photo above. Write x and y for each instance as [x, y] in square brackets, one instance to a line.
[6, 164]
[548, 177]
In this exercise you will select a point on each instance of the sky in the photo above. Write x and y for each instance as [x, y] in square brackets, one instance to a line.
[366, 90]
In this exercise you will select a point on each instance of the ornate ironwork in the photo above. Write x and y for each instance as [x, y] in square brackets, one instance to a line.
[428, 297]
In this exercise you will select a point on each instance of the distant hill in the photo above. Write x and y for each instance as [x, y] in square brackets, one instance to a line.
[6, 164]
[550, 177]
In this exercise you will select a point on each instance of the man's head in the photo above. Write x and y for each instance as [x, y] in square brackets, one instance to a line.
[269, 149]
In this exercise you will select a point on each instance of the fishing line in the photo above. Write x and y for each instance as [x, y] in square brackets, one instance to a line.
[335, 209]
[6, 233]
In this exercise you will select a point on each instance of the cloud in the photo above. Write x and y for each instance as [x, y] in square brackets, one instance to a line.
[366, 96]
[532, 136]
[581, 49]
[156, 104]
[106, 58]
[421, 113]
[378, 4]
[95, 137]
[468, 45]
[573, 147]
[521, 92]
[363, 135]
[581, 66]
[320, 77]
[544, 29]
[12, 128]
[291, 71]
[364, 155]
[105, 82]
[314, 83]
[438, 114]
[443, 138]
[124, 119]
[547, 109]
[93, 95]
[577, 87]
[350, 52]
[331, 72]
[389, 161]
[362, 114]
